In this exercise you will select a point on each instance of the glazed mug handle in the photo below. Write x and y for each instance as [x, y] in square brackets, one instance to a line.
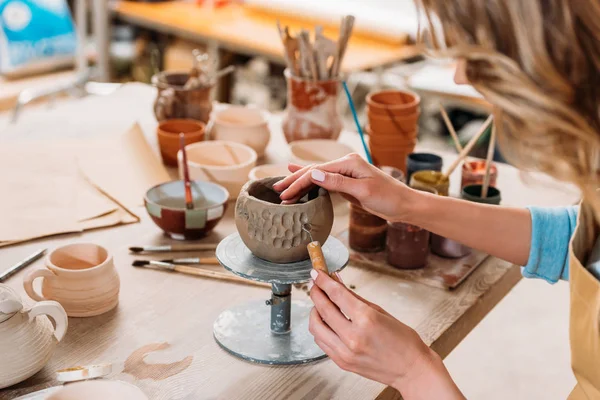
[54, 310]
[32, 276]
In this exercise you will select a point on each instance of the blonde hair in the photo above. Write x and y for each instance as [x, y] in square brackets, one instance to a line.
[538, 63]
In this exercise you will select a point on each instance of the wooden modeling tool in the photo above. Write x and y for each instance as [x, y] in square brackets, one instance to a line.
[325, 50]
[22, 264]
[308, 55]
[189, 200]
[316, 254]
[488, 164]
[183, 261]
[167, 248]
[345, 32]
[450, 128]
[198, 272]
[465, 152]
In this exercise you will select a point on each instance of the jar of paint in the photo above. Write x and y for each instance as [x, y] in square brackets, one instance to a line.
[473, 173]
[422, 162]
[430, 179]
[312, 111]
[366, 233]
[473, 193]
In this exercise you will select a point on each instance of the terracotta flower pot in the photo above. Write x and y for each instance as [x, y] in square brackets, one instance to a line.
[173, 101]
[394, 124]
[392, 141]
[392, 157]
[168, 137]
[312, 111]
[393, 102]
[273, 231]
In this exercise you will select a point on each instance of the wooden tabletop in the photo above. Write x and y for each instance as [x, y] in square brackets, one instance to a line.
[250, 32]
[169, 317]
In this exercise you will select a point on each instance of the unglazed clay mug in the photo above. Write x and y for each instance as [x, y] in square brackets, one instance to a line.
[81, 277]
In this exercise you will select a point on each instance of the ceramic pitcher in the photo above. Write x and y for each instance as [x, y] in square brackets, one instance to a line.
[27, 338]
[81, 277]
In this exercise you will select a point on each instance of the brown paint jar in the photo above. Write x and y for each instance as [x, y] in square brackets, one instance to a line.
[367, 232]
[312, 111]
[476, 173]
[407, 246]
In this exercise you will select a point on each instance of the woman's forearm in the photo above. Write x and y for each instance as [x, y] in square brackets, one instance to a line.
[503, 232]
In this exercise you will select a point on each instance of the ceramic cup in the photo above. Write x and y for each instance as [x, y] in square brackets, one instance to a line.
[366, 232]
[422, 162]
[242, 125]
[168, 137]
[473, 173]
[81, 277]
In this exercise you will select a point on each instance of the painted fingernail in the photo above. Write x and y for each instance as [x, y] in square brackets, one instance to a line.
[310, 284]
[317, 175]
[339, 276]
[314, 274]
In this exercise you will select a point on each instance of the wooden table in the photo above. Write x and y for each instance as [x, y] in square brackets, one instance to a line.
[240, 30]
[178, 311]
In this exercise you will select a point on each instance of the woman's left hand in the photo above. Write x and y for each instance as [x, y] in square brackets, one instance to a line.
[361, 337]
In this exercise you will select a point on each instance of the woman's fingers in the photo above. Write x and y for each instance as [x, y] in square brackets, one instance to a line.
[338, 294]
[329, 312]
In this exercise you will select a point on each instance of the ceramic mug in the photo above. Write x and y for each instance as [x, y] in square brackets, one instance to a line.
[81, 277]
[242, 125]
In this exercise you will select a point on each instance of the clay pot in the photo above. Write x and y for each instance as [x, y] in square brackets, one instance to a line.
[473, 193]
[476, 174]
[430, 179]
[27, 338]
[392, 156]
[395, 141]
[366, 232]
[168, 137]
[173, 101]
[165, 204]
[273, 231]
[242, 125]
[222, 162]
[312, 111]
[407, 246]
[268, 171]
[81, 277]
[393, 124]
[422, 162]
[317, 151]
[393, 102]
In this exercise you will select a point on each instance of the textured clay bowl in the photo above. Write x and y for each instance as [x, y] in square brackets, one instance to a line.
[393, 102]
[273, 231]
[317, 151]
[268, 171]
[165, 204]
[225, 163]
[393, 124]
[242, 125]
[168, 137]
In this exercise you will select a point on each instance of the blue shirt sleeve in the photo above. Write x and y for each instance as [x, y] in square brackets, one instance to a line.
[551, 231]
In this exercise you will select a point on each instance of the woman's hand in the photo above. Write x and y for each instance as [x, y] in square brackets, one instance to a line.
[356, 180]
[362, 338]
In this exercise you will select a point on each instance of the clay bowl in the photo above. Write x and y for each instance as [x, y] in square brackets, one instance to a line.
[165, 204]
[393, 102]
[225, 163]
[393, 124]
[168, 137]
[242, 125]
[273, 231]
[317, 151]
[267, 171]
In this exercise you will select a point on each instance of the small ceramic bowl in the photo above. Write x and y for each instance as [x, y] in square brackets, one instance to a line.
[267, 171]
[165, 204]
[168, 137]
[225, 163]
[317, 151]
[242, 125]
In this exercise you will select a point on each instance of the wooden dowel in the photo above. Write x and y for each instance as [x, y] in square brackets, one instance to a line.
[450, 128]
[488, 164]
[184, 269]
[318, 259]
[467, 149]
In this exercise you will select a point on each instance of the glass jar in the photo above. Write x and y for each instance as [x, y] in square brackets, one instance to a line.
[366, 232]
[473, 173]
[407, 246]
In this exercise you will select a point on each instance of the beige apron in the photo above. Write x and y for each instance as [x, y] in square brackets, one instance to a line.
[585, 309]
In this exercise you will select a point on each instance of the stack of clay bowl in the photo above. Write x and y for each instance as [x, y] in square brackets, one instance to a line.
[393, 126]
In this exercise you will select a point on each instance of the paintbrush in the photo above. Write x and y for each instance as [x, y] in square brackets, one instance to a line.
[20, 265]
[455, 139]
[166, 248]
[355, 116]
[182, 261]
[199, 272]
[189, 200]
[488, 163]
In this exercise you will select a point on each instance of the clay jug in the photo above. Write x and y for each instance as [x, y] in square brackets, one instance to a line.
[27, 338]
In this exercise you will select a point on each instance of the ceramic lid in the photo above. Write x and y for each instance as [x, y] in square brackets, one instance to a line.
[10, 302]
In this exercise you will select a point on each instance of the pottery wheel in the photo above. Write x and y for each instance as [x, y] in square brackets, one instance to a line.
[244, 332]
[233, 254]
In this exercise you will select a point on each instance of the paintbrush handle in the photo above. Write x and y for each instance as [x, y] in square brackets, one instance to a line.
[488, 164]
[217, 275]
[195, 260]
[193, 247]
[467, 149]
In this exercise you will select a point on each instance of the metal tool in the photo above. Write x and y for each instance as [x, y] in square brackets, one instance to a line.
[19, 266]
[265, 335]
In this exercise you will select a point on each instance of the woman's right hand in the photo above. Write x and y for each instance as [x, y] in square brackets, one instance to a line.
[354, 178]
